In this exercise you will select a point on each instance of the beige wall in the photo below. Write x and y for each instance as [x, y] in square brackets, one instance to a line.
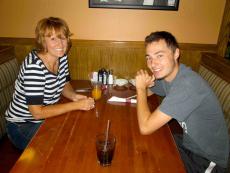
[196, 21]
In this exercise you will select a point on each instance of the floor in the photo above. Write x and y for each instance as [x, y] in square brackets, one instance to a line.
[8, 155]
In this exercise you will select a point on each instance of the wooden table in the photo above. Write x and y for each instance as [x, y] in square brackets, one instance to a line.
[66, 144]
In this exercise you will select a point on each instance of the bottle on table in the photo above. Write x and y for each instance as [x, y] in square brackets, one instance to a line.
[100, 76]
[110, 77]
[104, 76]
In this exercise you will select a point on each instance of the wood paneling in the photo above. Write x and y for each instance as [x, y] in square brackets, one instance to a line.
[22, 46]
[217, 64]
[6, 53]
[224, 34]
[125, 58]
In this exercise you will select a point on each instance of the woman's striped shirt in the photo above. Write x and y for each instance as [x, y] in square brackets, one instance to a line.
[36, 85]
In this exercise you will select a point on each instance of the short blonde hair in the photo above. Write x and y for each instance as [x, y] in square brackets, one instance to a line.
[48, 25]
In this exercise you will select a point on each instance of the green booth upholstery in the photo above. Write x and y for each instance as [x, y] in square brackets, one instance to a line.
[9, 69]
[216, 71]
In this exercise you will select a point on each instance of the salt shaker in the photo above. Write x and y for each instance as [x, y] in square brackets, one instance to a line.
[110, 78]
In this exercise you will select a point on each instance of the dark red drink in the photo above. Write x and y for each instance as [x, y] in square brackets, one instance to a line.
[105, 154]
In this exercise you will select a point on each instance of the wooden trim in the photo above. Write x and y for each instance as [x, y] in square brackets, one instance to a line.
[200, 47]
[16, 41]
[216, 64]
[109, 43]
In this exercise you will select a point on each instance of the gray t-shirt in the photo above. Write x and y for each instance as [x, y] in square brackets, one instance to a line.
[190, 100]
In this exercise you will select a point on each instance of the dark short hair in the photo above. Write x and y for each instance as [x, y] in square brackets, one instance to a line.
[48, 25]
[162, 35]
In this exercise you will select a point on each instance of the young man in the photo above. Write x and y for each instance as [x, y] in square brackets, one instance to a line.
[188, 99]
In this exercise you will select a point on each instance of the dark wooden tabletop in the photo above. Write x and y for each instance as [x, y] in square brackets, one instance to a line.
[66, 144]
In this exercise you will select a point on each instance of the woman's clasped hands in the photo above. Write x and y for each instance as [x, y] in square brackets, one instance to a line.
[84, 102]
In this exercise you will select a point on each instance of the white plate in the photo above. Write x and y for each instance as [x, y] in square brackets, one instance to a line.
[121, 82]
[133, 82]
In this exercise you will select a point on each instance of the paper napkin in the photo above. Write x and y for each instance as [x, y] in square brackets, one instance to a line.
[118, 99]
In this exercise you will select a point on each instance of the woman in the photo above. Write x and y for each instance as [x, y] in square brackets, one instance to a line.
[42, 78]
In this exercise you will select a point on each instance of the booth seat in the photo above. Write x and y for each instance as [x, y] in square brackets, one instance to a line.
[216, 71]
[8, 73]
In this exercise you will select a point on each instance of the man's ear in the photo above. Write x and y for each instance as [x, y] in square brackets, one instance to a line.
[177, 54]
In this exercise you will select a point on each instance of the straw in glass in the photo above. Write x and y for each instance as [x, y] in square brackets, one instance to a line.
[106, 135]
[96, 111]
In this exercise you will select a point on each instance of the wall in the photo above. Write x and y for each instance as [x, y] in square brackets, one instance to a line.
[195, 22]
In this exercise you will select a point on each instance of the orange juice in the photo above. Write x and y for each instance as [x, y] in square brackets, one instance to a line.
[96, 92]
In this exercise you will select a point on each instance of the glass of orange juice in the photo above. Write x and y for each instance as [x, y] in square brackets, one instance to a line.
[96, 92]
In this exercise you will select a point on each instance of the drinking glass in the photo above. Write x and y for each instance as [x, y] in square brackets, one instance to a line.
[96, 92]
[105, 153]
